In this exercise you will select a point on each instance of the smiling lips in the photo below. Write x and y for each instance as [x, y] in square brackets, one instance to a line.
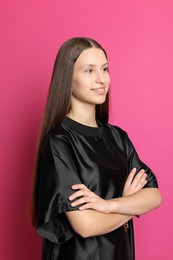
[100, 91]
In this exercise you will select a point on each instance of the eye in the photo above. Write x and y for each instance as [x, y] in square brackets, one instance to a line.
[89, 71]
[105, 69]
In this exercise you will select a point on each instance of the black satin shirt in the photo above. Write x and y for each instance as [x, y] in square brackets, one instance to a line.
[101, 158]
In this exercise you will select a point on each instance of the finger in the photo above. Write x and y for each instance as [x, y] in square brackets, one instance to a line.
[131, 176]
[87, 206]
[80, 193]
[140, 186]
[138, 177]
[142, 181]
[80, 201]
[79, 186]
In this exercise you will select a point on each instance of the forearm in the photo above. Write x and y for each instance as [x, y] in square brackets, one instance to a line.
[93, 223]
[138, 203]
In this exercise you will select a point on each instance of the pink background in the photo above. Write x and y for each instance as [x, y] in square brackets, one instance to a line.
[138, 36]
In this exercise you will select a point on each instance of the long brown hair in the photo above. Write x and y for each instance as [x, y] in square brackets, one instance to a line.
[59, 97]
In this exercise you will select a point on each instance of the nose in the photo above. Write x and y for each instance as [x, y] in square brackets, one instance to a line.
[100, 79]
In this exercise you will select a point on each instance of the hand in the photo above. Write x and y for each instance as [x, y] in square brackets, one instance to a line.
[134, 184]
[88, 198]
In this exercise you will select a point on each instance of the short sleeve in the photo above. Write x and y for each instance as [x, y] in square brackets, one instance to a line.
[134, 161]
[57, 174]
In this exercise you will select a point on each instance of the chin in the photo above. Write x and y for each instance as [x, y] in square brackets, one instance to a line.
[101, 101]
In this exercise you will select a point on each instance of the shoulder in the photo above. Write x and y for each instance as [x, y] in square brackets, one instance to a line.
[119, 136]
[59, 133]
[116, 131]
[57, 139]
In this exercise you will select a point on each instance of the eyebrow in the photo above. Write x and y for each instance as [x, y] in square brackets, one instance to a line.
[93, 65]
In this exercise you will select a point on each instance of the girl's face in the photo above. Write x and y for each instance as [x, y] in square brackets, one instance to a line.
[91, 80]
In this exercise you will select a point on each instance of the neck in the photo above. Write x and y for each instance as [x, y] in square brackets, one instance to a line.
[84, 116]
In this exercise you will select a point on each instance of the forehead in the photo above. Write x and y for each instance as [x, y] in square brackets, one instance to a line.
[94, 56]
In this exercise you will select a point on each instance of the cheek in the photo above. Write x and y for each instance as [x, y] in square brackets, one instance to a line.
[77, 87]
[108, 81]
[80, 84]
[75, 84]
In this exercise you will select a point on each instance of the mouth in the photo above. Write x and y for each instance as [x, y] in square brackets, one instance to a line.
[100, 91]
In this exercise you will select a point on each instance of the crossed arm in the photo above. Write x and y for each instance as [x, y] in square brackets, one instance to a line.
[97, 216]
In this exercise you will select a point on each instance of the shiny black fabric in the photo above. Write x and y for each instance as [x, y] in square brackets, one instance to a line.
[101, 158]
